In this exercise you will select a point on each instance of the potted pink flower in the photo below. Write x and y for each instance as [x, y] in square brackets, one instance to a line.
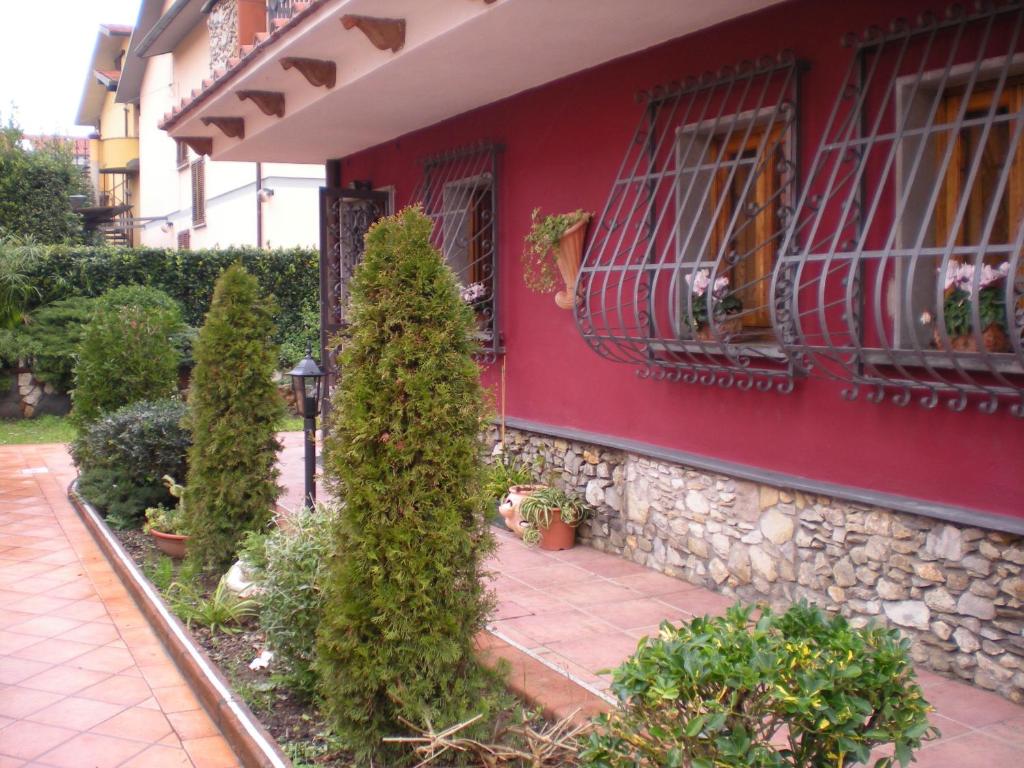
[725, 305]
[964, 286]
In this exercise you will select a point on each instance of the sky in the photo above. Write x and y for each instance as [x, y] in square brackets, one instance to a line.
[45, 50]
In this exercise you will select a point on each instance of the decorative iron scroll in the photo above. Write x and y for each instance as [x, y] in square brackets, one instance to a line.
[458, 191]
[677, 275]
[345, 217]
[902, 265]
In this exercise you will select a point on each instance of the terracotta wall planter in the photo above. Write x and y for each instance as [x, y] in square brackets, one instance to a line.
[568, 256]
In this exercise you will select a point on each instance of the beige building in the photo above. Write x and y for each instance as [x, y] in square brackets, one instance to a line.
[114, 145]
[186, 200]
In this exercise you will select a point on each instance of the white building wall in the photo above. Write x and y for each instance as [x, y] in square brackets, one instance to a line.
[290, 217]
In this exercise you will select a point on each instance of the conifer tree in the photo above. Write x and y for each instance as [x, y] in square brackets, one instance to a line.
[404, 598]
[234, 409]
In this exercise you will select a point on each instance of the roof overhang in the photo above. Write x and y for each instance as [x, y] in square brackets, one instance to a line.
[171, 28]
[109, 40]
[129, 87]
[455, 57]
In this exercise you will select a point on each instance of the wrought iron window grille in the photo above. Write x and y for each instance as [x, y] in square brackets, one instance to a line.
[677, 276]
[458, 191]
[902, 265]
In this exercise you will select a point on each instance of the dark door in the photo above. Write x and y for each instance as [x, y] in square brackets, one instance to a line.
[345, 216]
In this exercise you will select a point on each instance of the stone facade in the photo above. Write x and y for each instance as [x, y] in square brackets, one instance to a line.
[222, 22]
[956, 592]
[36, 398]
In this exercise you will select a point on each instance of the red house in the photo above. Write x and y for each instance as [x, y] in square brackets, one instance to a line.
[792, 362]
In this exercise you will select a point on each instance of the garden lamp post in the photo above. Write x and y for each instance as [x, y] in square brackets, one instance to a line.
[306, 382]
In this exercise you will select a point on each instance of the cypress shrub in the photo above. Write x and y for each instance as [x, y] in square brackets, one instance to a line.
[128, 352]
[233, 410]
[404, 596]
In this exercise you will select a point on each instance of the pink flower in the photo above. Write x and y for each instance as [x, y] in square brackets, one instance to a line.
[990, 276]
[699, 283]
[721, 287]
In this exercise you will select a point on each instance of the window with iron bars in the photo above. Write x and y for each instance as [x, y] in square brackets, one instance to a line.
[458, 192]
[903, 262]
[677, 277]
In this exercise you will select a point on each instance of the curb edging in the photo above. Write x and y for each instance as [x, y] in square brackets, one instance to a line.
[251, 742]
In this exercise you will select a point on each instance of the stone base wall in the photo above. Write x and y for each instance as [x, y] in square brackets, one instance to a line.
[36, 398]
[222, 23]
[956, 592]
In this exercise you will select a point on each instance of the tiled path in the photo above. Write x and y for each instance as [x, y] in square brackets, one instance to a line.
[84, 683]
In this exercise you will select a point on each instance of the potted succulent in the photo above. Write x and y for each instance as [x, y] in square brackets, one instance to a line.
[724, 303]
[560, 236]
[960, 290]
[550, 518]
[166, 526]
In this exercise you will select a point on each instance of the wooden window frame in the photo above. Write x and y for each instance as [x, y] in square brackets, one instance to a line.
[181, 150]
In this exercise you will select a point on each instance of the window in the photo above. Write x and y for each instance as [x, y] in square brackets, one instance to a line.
[903, 257]
[198, 192]
[458, 193]
[677, 278]
[184, 240]
[182, 154]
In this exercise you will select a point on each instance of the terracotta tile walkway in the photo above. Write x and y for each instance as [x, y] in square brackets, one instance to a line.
[84, 682]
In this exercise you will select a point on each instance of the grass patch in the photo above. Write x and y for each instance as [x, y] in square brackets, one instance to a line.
[291, 424]
[44, 429]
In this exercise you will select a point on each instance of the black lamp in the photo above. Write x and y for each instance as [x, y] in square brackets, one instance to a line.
[306, 383]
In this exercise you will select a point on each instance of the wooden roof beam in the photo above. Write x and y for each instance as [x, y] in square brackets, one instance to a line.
[317, 71]
[232, 127]
[269, 102]
[201, 145]
[383, 33]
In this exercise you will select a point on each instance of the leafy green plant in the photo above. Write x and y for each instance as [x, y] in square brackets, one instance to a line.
[405, 595]
[796, 689]
[505, 472]
[233, 411]
[539, 266]
[538, 508]
[961, 293]
[127, 353]
[122, 457]
[50, 341]
[292, 581]
[160, 571]
[164, 520]
[16, 287]
[221, 612]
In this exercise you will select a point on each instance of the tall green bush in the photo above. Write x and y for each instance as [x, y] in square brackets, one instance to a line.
[52, 338]
[233, 410]
[405, 596]
[128, 351]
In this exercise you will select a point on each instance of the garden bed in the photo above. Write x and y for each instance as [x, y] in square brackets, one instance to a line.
[295, 724]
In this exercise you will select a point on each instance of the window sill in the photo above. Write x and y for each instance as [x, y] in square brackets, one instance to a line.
[940, 359]
[760, 349]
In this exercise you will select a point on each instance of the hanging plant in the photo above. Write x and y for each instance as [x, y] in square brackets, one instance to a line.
[543, 252]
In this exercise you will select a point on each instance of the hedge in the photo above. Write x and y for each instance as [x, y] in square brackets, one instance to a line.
[290, 275]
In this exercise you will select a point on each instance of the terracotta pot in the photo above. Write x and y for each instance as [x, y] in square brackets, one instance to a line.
[993, 337]
[567, 257]
[509, 508]
[726, 327]
[558, 535]
[171, 544]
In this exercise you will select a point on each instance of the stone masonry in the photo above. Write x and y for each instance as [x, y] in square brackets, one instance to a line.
[222, 23]
[956, 592]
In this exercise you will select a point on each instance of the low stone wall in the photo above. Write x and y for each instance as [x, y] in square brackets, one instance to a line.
[956, 592]
[36, 398]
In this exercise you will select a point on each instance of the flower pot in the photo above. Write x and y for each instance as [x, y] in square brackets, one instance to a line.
[993, 337]
[558, 535]
[509, 509]
[726, 327]
[171, 544]
[568, 256]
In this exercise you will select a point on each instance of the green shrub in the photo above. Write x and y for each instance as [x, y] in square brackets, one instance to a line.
[233, 411]
[52, 338]
[292, 579]
[405, 596]
[123, 456]
[290, 275]
[127, 352]
[795, 689]
[222, 612]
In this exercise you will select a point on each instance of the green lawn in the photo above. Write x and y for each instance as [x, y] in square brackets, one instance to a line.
[57, 429]
[45, 429]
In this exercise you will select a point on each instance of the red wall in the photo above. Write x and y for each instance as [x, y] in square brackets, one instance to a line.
[563, 145]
